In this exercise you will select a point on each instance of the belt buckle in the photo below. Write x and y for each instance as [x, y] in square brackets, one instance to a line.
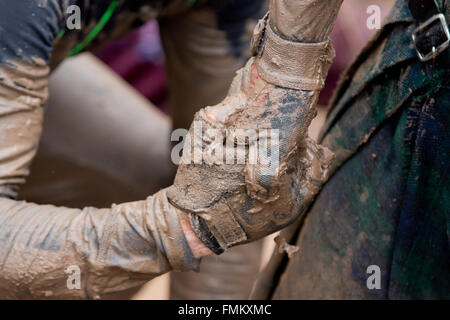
[426, 56]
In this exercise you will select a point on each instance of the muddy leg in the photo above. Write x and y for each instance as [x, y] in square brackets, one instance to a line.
[107, 145]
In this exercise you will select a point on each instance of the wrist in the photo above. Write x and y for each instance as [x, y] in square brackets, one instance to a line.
[195, 244]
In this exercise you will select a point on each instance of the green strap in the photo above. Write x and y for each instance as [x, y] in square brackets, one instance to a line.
[97, 29]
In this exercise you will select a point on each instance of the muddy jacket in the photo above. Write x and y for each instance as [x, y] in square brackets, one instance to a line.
[385, 211]
[114, 248]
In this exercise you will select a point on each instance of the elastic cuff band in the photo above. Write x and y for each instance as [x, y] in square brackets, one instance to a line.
[288, 64]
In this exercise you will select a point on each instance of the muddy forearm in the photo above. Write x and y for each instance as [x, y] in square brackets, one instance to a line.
[292, 48]
[114, 249]
[304, 20]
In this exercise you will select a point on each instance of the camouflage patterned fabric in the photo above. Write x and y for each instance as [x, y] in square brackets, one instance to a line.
[388, 201]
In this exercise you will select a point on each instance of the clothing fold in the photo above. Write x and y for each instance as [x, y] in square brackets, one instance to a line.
[111, 249]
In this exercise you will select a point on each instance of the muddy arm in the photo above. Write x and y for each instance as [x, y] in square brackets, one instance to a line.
[126, 245]
[115, 248]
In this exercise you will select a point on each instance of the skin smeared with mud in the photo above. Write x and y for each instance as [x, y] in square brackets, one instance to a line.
[237, 203]
[125, 245]
[40, 242]
[23, 90]
[115, 249]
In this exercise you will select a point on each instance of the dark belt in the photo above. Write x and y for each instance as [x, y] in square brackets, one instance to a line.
[431, 37]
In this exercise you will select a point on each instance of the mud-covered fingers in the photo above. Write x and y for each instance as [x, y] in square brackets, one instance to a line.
[212, 115]
[318, 160]
[242, 91]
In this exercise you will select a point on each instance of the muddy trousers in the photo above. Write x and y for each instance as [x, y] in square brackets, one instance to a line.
[126, 156]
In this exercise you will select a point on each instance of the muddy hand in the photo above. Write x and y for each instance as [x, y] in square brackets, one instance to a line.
[249, 167]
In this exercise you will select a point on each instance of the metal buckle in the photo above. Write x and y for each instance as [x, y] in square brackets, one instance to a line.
[435, 50]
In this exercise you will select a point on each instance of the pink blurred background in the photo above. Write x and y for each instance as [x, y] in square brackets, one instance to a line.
[139, 57]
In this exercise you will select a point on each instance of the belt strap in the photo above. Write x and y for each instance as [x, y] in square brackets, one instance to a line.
[431, 37]
[422, 10]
